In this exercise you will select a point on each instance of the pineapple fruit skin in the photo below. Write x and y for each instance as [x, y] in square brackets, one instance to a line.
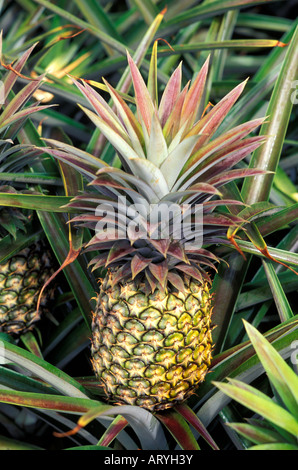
[151, 350]
[21, 279]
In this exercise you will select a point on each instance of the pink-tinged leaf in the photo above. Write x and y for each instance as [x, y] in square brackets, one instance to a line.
[222, 219]
[190, 270]
[170, 95]
[81, 154]
[211, 121]
[20, 99]
[194, 96]
[234, 174]
[160, 272]
[205, 188]
[129, 120]
[224, 140]
[199, 260]
[117, 425]
[102, 109]
[161, 245]
[209, 205]
[192, 419]
[218, 162]
[121, 145]
[179, 429]
[86, 218]
[11, 77]
[143, 188]
[138, 264]
[237, 152]
[98, 261]
[177, 251]
[106, 180]
[23, 114]
[202, 252]
[144, 102]
[176, 281]
[85, 168]
[152, 281]
[122, 273]
[99, 245]
[171, 126]
[118, 251]
[31, 343]
[45, 401]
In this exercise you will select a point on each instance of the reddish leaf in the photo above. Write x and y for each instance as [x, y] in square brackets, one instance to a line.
[176, 281]
[190, 270]
[193, 98]
[71, 257]
[138, 264]
[160, 272]
[179, 429]
[170, 95]
[119, 250]
[210, 122]
[161, 245]
[175, 249]
[144, 103]
[192, 418]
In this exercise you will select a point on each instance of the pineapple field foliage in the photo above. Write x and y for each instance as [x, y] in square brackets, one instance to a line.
[48, 388]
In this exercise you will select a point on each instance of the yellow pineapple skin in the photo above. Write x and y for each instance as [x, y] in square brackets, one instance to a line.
[151, 350]
[21, 279]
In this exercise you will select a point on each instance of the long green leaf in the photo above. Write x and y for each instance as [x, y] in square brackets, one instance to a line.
[281, 301]
[259, 403]
[284, 378]
[255, 434]
[205, 10]
[279, 110]
[145, 424]
[35, 202]
[42, 369]
[104, 37]
[48, 402]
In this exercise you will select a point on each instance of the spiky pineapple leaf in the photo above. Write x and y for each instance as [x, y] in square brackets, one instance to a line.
[259, 403]
[275, 128]
[179, 429]
[255, 434]
[45, 371]
[146, 426]
[279, 372]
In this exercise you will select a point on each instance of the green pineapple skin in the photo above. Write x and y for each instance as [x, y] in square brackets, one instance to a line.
[151, 350]
[21, 279]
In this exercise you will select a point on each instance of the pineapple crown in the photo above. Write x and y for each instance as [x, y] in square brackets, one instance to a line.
[13, 115]
[168, 156]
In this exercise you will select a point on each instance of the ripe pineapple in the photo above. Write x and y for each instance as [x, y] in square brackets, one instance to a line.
[151, 341]
[23, 274]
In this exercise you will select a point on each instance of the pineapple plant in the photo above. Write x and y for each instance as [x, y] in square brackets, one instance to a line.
[23, 271]
[152, 325]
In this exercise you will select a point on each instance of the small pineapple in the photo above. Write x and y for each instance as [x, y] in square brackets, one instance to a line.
[151, 340]
[23, 274]
[21, 278]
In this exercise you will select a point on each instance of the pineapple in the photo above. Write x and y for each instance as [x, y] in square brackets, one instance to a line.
[21, 278]
[23, 274]
[152, 327]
